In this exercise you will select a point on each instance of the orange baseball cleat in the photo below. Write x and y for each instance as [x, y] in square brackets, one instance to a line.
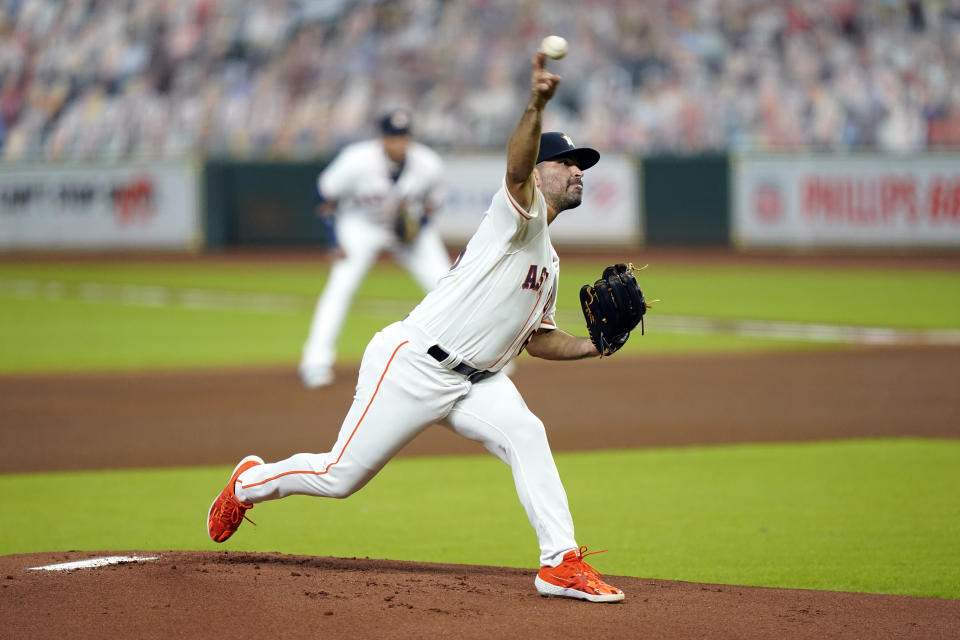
[574, 578]
[226, 513]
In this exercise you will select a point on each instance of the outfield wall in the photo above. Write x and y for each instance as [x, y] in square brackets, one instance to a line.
[273, 203]
[685, 200]
[794, 202]
[608, 216]
[100, 206]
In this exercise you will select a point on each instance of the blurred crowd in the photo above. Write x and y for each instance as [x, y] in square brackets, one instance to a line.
[112, 79]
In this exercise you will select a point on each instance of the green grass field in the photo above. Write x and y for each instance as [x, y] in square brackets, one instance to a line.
[873, 516]
[58, 317]
[867, 516]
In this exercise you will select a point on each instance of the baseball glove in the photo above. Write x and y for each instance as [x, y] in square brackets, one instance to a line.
[613, 306]
[406, 225]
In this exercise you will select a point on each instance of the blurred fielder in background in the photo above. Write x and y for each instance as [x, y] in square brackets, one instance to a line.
[377, 194]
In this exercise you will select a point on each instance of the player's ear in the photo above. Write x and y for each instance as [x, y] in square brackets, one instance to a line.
[536, 177]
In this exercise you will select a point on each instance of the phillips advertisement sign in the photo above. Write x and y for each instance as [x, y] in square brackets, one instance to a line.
[846, 201]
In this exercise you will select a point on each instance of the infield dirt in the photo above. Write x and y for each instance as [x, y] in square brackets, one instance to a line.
[136, 420]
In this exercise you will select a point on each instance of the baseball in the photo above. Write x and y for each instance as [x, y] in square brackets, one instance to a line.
[554, 46]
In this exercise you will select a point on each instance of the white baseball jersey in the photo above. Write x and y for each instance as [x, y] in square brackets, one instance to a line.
[482, 313]
[359, 179]
[501, 289]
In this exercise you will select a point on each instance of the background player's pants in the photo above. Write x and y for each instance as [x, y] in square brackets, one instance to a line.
[362, 241]
[401, 391]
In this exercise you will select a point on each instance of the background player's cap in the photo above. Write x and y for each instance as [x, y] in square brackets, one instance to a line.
[396, 122]
[556, 144]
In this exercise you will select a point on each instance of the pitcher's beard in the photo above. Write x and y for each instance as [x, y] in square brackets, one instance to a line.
[567, 201]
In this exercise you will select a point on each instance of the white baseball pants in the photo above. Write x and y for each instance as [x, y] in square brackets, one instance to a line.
[401, 390]
[362, 241]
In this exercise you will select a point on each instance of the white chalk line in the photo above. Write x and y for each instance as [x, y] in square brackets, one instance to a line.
[272, 303]
[93, 563]
[136, 295]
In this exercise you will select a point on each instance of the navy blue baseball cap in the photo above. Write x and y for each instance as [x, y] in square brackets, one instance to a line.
[397, 122]
[555, 144]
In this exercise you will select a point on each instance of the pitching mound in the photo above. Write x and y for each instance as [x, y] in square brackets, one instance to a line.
[230, 594]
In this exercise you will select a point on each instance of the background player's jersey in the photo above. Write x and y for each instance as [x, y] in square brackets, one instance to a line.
[501, 289]
[359, 179]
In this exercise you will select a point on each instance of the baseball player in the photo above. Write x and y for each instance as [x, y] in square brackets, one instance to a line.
[443, 362]
[384, 192]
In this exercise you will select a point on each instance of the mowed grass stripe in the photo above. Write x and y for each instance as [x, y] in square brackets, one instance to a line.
[844, 296]
[264, 302]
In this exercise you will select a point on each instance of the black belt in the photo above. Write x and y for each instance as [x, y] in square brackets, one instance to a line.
[472, 374]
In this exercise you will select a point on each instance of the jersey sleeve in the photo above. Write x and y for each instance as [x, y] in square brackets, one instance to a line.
[335, 179]
[537, 207]
[514, 223]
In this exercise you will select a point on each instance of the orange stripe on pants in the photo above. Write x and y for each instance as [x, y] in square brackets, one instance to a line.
[352, 433]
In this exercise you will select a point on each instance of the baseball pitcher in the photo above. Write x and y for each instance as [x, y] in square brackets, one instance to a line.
[443, 362]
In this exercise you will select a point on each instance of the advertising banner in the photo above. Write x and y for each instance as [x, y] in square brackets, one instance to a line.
[608, 216]
[150, 206]
[846, 201]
